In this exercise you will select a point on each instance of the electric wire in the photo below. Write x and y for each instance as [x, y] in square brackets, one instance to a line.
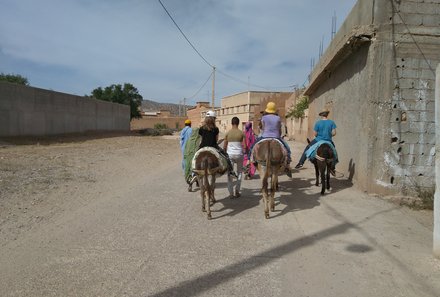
[206, 61]
[201, 87]
[185, 35]
[268, 88]
[414, 40]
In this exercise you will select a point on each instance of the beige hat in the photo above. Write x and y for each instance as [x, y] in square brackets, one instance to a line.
[324, 112]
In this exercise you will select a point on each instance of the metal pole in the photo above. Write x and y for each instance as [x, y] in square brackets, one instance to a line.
[436, 237]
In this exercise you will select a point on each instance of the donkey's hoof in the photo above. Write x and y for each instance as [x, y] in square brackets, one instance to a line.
[272, 209]
[322, 193]
[189, 188]
[266, 215]
[209, 217]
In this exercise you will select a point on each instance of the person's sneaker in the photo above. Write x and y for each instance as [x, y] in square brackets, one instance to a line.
[332, 171]
[298, 166]
[237, 194]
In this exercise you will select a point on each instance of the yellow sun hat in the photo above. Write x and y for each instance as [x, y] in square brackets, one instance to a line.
[271, 107]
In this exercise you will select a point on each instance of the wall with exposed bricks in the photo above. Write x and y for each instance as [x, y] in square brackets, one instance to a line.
[378, 79]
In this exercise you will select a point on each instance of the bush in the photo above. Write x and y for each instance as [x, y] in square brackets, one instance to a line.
[297, 111]
[160, 126]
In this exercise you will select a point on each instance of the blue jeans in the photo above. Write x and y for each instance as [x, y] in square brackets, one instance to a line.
[303, 156]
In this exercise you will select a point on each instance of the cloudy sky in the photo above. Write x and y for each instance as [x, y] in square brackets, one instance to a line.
[75, 46]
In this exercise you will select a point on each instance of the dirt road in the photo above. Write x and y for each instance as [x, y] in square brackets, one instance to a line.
[38, 181]
[112, 217]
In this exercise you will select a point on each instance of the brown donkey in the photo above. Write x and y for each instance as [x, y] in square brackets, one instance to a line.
[207, 164]
[270, 155]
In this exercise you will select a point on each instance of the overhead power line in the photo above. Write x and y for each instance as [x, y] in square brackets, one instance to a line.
[206, 61]
[210, 75]
[213, 67]
[268, 88]
[413, 39]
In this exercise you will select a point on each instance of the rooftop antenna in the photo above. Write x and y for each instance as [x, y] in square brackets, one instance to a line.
[321, 46]
[334, 25]
[312, 65]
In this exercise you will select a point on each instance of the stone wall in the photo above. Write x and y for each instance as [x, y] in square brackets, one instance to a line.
[377, 79]
[29, 111]
[411, 155]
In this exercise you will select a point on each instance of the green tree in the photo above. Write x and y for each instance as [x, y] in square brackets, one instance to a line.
[126, 94]
[14, 78]
[297, 111]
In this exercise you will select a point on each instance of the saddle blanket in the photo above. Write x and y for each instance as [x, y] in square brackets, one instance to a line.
[257, 146]
[311, 151]
[221, 158]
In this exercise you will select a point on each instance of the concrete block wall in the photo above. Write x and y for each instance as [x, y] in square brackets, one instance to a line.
[415, 32]
[381, 93]
[29, 111]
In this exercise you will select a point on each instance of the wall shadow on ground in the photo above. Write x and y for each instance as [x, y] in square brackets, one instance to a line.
[204, 283]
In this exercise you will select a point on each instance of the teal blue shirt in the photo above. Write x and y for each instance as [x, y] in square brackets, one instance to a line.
[324, 129]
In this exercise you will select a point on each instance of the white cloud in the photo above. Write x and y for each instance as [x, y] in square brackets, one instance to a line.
[75, 46]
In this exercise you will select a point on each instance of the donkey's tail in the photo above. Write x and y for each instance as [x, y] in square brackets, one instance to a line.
[205, 164]
[268, 165]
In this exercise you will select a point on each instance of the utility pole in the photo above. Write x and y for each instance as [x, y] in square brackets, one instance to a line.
[213, 87]
[184, 107]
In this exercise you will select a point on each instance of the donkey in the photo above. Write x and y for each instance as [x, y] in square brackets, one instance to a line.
[207, 164]
[323, 160]
[270, 156]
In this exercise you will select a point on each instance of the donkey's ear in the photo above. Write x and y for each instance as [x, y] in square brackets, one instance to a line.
[308, 140]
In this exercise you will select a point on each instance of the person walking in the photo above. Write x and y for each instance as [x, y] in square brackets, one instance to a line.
[234, 144]
[184, 136]
[249, 141]
[324, 129]
[191, 147]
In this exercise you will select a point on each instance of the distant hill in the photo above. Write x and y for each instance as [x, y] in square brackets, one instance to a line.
[148, 105]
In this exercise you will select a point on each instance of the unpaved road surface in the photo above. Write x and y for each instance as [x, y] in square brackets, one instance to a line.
[112, 217]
